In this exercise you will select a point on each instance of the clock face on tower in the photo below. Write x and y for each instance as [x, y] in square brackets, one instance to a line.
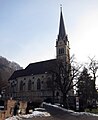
[60, 43]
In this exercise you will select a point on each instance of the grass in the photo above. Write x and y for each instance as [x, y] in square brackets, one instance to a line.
[95, 111]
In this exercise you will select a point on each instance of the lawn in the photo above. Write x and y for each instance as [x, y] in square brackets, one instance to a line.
[95, 111]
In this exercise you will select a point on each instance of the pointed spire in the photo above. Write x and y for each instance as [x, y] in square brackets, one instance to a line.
[62, 32]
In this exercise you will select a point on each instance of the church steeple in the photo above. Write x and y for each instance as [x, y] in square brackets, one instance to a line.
[62, 43]
[62, 32]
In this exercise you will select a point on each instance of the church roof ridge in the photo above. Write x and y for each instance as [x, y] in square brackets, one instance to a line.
[41, 62]
[33, 69]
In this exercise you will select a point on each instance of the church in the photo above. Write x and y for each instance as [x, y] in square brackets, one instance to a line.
[34, 82]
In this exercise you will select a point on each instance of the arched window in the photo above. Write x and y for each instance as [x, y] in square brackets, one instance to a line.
[38, 84]
[29, 85]
[61, 51]
[57, 94]
[49, 83]
[21, 86]
[33, 85]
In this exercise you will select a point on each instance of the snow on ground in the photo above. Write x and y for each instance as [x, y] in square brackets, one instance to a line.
[34, 114]
[14, 118]
[71, 111]
[40, 112]
[39, 109]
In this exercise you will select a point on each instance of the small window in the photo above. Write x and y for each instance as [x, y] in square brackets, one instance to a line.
[42, 82]
[57, 94]
[60, 42]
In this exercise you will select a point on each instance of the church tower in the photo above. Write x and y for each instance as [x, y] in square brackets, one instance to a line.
[62, 43]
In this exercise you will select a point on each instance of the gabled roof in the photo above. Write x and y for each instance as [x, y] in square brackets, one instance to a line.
[17, 73]
[34, 69]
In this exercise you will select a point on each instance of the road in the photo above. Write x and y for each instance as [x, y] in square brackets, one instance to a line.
[57, 114]
[64, 117]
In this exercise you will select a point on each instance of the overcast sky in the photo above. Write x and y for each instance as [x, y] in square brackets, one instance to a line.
[29, 29]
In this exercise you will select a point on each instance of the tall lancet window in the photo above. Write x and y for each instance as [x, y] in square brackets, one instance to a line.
[61, 51]
[29, 85]
[38, 84]
[21, 86]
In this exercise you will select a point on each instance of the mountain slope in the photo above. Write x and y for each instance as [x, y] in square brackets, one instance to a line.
[6, 69]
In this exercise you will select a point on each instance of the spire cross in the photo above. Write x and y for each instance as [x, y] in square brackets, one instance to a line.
[61, 7]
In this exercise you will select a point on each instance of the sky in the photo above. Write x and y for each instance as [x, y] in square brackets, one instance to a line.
[29, 29]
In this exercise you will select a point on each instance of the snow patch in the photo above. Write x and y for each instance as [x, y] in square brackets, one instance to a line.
[71, 111]
[14, 118]
[34, 114]
[40, 109]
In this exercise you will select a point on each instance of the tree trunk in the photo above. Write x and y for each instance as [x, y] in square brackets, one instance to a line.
[65, 100]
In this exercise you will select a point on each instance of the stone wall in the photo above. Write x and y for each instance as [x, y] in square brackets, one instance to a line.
[9, 107]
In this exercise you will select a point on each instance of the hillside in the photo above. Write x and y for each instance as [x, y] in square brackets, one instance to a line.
[6, 69]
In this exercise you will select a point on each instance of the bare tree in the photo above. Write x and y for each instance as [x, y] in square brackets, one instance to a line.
[93, 67]
[66, 76]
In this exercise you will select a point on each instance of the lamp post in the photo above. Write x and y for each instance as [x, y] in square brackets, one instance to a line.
[77, 100]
